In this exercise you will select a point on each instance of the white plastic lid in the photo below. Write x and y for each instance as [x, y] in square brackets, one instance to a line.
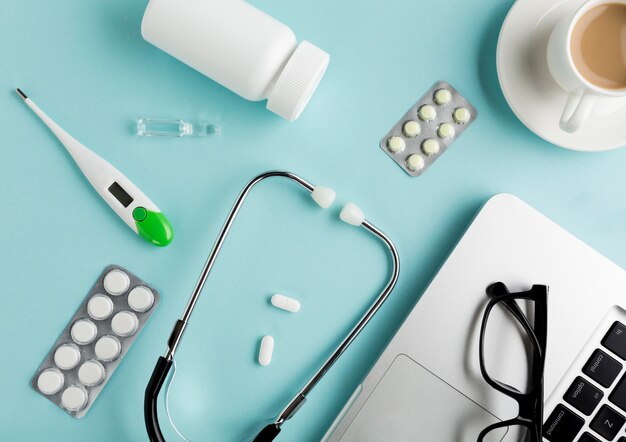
[297, 82]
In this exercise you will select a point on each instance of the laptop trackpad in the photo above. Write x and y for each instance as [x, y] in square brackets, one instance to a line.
[411, 404]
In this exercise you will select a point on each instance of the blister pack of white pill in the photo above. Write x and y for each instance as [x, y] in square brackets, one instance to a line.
[428, 128]
[95, 340]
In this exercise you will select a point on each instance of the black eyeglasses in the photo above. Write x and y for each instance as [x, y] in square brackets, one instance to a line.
[505, 306]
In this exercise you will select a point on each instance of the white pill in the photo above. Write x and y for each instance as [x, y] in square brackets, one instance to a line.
[396, 144]
[427, 112]
[100, 307]
[443, 96]
[67, 356]
[430, 147]
[445, 130]
[116, 282]
[74, 398]
[108, 348]
[352, 214]
[265, 350]
[140, 298]
[83, 331]
[91, 373]
[461, 115]
[415, 162]
[50, 381]
[285, 303]
[124, 323]
[411, 129]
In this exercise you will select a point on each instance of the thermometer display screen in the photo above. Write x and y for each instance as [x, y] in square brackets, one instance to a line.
[120, 194]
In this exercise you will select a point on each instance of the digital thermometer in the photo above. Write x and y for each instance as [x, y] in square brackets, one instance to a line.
[135, 208]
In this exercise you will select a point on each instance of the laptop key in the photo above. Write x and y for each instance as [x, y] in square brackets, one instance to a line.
[563, 425]
[615, 339]
[583, 396]
[602, 368]
[621, 439]
[618, 395]
[586, 437]
[607, 422]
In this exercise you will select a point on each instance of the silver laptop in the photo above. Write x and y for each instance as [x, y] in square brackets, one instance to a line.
[427, 385]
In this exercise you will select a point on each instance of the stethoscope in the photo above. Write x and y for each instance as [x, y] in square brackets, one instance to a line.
[324, 197]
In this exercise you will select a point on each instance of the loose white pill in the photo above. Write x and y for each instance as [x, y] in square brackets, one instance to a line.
[396, 144]
[50, 381]
[461, 115]
[83, 331]
[74, 398]
[67, 356]
[445, 130]
[265, 350]
[108, 348]
[443, 96]
[427, 112]
[124, 323]
[100, 307]
[116, 282]
[140, 299]
[430, 147]
[91, 373]
[285, 303]
[415, 162]
[411, 129]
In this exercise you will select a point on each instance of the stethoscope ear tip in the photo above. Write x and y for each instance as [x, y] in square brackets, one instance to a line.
[352, 214]
[323, 196]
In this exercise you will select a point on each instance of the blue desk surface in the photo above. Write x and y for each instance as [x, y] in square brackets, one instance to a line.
[86, 64]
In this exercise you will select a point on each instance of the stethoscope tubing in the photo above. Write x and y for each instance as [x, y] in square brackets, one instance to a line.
[164, 363]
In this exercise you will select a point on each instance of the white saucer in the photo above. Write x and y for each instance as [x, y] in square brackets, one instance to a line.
[531, 91]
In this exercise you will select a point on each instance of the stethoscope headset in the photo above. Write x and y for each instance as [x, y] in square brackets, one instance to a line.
[324, 197]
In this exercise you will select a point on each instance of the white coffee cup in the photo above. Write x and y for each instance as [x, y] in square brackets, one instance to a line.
[583, 98]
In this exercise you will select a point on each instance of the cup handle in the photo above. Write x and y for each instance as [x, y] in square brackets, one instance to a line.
[577, 109]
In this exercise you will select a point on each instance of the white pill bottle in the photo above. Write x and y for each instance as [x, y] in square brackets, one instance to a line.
[240, 47]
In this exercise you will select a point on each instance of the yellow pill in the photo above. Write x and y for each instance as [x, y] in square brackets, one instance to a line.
[445, 130]
[411, 129]
[461, 115]
[427, 112]
[443, 96]
[430, 147]
[396, 144]
[415, 162]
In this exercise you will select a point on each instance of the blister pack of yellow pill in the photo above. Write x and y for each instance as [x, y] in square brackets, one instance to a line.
[426, 131]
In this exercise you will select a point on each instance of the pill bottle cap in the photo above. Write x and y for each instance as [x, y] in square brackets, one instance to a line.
[298, 80]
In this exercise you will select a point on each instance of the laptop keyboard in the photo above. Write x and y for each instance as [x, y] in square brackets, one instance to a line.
[598, 379]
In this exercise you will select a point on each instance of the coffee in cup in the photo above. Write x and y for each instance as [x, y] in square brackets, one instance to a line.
[587, 58]
[598, 45]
